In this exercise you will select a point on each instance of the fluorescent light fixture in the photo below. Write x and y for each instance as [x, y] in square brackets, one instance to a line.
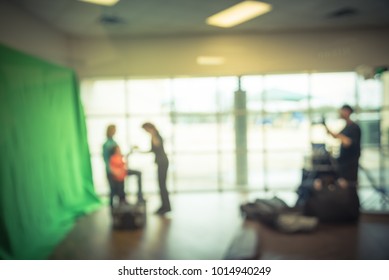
[239, 13]
[210, 60]
[101, 2]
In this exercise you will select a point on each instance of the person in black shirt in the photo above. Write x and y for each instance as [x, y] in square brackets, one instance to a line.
[350, 148]
[320, 196]
[162, 165]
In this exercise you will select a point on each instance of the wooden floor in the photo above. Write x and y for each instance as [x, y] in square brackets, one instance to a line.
[366, 240]
[203, 227]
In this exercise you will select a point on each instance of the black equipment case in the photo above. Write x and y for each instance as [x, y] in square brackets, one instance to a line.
[331, 202]
[129, 216]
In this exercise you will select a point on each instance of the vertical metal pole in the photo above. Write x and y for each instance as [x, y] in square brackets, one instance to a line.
[173, 116]
[264, 142]
[310, 117]
[241, 136]
[127, 113]
[381, 150]
[219, 136]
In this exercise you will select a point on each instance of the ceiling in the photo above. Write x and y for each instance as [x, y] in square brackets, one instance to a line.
[146, 18]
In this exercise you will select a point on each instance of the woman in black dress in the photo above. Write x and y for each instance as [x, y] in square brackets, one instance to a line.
[162, 165]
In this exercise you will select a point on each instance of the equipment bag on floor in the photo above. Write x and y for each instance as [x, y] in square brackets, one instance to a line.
[276, 213]
[129, 216]
[333, 203]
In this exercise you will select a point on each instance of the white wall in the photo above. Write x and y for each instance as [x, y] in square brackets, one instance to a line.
[23, 32]
[244, 54]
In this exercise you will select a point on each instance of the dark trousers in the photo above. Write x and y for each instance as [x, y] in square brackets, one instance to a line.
[162, 176]
[348, 169]
[138, 174]
[116, 189]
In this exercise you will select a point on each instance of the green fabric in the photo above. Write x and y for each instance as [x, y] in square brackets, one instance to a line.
[45, 169]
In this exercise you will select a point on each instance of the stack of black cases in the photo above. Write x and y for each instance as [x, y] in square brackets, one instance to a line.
[129, 216]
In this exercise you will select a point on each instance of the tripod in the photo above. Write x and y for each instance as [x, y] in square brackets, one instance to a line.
[381, 190]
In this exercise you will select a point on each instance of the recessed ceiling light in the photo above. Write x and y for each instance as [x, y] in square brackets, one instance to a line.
[210, 60]
[101, 2]
[239, 13]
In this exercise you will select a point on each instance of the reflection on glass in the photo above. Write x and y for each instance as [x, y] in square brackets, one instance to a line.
[255, 133]
[196, 118]
[103, 97]
[370, 161]
[285, 134]
[283, 170]
[195, 134]
[149, 96]
[195, 95]
[254, 87]
[226, 133]
[370, 94]
[226, 87]
[227, 175]
[370, 127]
[196, 172]
[286, 93]
[256, 174]
[332, 90]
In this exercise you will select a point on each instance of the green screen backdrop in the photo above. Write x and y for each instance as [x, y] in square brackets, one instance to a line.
[45, 169]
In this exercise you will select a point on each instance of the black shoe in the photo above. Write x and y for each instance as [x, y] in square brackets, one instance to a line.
[162, 211]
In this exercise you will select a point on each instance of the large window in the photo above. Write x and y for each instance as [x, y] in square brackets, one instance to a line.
[200, 120]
